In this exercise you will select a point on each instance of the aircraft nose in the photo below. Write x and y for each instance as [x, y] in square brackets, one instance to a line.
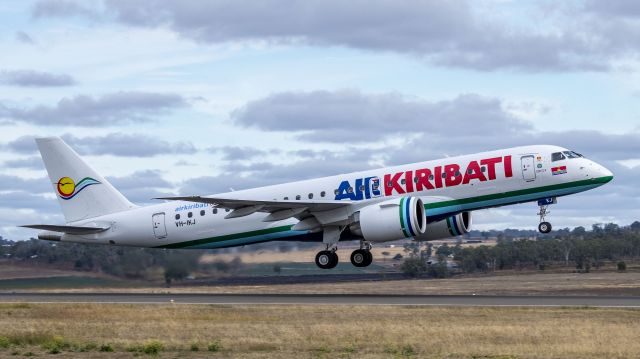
[603, 172]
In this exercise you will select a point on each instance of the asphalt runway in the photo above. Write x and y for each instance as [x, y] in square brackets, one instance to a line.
[326, 299]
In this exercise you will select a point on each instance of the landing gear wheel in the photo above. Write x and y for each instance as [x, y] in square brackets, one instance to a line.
[326, 259]
[359, 258]
[369, 259]
[544, 227]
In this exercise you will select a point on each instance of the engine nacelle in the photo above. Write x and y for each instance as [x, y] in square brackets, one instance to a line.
[449, 227]
[397, 218]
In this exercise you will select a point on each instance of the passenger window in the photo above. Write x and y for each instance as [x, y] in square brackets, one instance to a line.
[350, 190]
[335, 191]
[415, 179]
[444, 175]
[323, 193]
[297, 197]
[431, 177]
[402, 181]
[226, 209]
[362, 187]
[177, 216]
[202, 212]
[483, 168]
[189, 214]
[310, 195]
[286, 198]
[215, 211]
[557, 156]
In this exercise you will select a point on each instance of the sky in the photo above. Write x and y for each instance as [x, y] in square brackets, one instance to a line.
[193, 97]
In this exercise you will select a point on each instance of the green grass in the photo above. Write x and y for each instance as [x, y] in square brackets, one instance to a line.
[60, 282]
[289, 268]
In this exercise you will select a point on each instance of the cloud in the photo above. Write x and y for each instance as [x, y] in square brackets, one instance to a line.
[140, 179]
[621, 8]
[127, 145]
[323, 116]
[63, 8]
[26, 200]
[24, 38]
[10, 183]
[110, 109]
[116, 144]
[467, 34]
[314, 164]
[33, 162]
[142, 186]
[29, 78]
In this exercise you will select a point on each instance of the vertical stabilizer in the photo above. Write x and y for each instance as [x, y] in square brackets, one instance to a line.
[81, 191]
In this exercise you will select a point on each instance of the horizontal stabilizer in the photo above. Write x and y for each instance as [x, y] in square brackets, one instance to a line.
[67, 229]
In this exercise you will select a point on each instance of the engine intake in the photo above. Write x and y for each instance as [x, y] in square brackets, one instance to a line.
[398, 218]
[453, 226]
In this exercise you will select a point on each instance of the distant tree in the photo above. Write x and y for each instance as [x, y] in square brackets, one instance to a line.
[444, 250]
[413, 266]
[622, 266]
[176, 268]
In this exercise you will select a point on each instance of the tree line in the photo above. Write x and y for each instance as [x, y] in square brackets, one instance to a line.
[577, 248]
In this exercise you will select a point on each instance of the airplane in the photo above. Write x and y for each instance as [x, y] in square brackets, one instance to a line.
[420, 201]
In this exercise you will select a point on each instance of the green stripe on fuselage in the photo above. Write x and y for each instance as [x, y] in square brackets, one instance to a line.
[227, 237]
[595, 181]
[521, 192]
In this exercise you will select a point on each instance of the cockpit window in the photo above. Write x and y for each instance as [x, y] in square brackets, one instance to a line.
[571, 154]
[557, 156]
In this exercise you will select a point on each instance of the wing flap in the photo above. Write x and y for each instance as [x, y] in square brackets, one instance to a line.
[264, 206]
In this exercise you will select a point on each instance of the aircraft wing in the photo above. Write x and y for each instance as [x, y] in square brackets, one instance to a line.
[277, 209]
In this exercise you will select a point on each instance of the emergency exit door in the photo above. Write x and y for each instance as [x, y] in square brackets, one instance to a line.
[159, 228]
[528, 168]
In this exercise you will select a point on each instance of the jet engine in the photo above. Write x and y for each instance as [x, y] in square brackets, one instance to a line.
[398, 218]
[453, 226]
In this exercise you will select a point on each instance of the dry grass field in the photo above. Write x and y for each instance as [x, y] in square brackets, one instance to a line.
[503, 283]
[176, 331]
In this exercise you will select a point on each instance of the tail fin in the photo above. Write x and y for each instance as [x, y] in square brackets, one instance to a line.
[81, 191]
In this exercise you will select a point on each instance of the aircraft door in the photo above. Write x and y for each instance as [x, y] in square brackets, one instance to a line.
[528, 168]
[159, 227]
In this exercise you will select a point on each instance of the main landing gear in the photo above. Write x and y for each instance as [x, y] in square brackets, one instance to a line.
[328, 258]
[544, 226]
[362, 257]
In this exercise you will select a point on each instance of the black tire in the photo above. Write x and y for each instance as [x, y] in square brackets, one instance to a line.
[544, 227]
[359, 258]
[369, 259]
[324, 260]
[334, 259]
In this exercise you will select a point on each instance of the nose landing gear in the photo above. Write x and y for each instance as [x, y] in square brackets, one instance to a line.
[544, 226]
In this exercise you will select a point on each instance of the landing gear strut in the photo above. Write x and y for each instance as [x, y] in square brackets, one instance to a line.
[544, 226]
[362, 257]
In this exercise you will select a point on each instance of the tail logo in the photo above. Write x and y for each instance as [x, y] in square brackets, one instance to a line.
[67, 188]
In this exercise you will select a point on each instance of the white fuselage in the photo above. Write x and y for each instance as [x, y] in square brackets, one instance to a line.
[446, 186]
